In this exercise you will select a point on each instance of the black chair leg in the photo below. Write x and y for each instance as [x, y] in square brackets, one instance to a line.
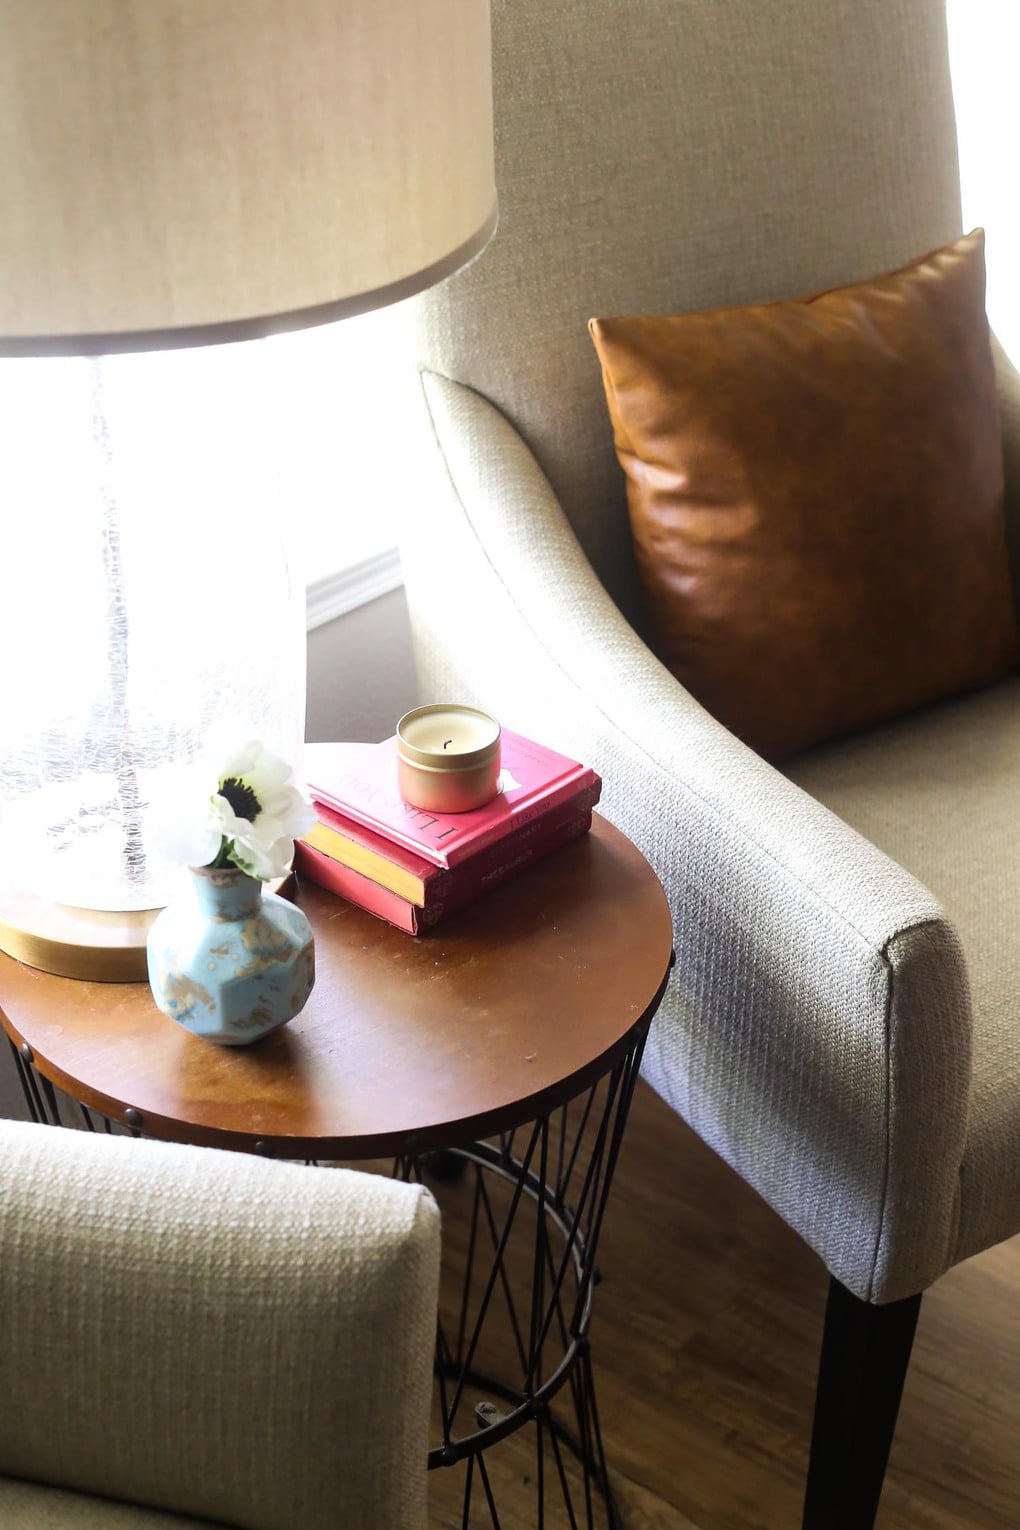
[865, 1354]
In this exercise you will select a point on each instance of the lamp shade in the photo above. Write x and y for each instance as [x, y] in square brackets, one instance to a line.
[179, 172]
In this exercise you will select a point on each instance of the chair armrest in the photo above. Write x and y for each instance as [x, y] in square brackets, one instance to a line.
[1008, 381]
[817, 1029]
[218, 1335]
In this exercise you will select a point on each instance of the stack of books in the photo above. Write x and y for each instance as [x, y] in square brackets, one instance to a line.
[413, 868]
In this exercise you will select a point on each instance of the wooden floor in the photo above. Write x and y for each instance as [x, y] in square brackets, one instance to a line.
[705, 1339]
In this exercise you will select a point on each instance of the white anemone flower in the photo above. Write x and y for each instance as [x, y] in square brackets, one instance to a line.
[251, 820]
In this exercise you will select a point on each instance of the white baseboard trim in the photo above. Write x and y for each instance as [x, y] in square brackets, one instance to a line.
[333, 595]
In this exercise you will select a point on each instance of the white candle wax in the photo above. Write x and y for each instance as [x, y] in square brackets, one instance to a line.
[450, 731]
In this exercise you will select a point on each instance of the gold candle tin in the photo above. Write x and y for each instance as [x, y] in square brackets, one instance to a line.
[448, 758]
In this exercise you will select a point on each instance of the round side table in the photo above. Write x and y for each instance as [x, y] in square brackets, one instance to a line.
[506, 1042]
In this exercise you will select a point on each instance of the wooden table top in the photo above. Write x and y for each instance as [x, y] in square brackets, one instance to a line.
[501, 1012]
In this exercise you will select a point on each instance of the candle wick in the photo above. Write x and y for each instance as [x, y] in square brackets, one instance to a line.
[448, 741]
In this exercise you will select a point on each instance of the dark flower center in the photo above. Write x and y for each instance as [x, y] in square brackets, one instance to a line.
[243, 801]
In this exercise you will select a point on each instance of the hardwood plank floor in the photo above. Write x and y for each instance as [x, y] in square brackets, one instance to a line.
[705, 1340]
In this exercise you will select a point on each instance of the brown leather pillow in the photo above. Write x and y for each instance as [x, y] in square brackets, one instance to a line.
[816, 498]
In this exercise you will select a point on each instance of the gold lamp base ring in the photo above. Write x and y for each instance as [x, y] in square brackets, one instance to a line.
[94, 944]
[98, 945]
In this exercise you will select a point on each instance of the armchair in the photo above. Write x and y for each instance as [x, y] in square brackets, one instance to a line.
[196, 1338]
[839, 1026]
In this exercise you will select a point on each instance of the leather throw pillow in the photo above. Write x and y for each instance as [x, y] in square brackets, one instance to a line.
[816, 498]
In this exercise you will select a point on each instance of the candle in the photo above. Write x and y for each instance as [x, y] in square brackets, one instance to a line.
[448, 758]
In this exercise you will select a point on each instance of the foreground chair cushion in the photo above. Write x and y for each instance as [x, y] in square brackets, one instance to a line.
[213, 1334]
[27, 1506]
[816, 497]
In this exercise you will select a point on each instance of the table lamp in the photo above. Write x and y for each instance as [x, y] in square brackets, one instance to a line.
[175, 176]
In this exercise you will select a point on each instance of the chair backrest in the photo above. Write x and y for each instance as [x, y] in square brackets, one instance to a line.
[212, 1334]
[657, 156]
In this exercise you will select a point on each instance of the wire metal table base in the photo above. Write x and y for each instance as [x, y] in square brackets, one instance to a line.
[522, 1214]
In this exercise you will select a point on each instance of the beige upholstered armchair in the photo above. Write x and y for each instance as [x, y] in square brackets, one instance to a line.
[197, 1338]
[841, 1026]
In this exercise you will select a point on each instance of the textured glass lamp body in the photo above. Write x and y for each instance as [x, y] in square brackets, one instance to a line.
[151, 602]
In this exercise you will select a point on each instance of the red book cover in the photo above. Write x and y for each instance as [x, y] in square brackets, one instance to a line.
[360, 782]
[409, 874]
[461, 888]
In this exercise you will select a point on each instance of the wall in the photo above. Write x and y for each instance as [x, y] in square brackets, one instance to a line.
[361, 672]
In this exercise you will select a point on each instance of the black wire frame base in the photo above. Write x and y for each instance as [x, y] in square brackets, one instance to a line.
[515, 1323]
[513, 1332]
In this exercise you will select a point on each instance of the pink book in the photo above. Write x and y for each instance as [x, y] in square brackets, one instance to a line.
[421, 881]
[313, 865]
[360, 781]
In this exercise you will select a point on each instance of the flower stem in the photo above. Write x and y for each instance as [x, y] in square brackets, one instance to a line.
[223, 855]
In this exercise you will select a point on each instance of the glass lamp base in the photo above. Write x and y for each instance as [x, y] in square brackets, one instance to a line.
[156, 615]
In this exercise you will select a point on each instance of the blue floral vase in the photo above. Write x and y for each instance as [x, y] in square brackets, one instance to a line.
[228, 960]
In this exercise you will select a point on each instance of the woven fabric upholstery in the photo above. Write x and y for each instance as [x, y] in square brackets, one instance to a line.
[938, 792]
[817, 1031]
[27, 1506]
[215, 1335]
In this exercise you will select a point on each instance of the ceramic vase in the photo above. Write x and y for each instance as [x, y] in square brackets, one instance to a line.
[229, 960]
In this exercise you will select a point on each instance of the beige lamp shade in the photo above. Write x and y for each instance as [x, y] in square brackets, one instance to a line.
[181, 172]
